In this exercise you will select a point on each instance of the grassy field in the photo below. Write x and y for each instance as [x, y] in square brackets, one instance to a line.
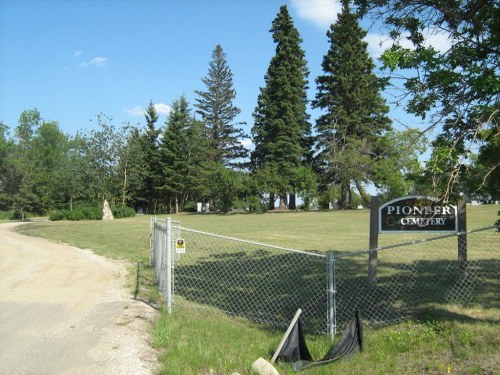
[458, 340]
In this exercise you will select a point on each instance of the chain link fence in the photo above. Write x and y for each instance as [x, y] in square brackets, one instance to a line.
[263, 283]
[415, 279]
[267, 284]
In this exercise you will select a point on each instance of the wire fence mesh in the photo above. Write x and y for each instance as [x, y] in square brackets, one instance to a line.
[261, 282]
[267, 284]
[418, 278]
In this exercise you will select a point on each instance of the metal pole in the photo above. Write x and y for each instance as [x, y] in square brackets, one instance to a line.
[372, 257]
[330, 290]
[137, 280]
[151, 240]
[462, 236]
[169, 265]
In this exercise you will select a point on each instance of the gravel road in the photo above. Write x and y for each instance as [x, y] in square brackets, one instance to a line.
[66, 311]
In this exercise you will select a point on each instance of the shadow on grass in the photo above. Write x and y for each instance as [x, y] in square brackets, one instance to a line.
[268, 285]
[410, 290]
[263, 287]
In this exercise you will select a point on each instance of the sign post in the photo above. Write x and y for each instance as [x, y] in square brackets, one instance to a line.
[415, 214]
[374, 229]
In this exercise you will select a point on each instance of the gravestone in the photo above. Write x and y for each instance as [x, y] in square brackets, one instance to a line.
[106, 211]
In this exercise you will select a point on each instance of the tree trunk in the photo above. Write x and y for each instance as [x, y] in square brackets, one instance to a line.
[271, 201]
[364, 195]
[283, 201]
[124, 186]
[292, 204]
[345, 195]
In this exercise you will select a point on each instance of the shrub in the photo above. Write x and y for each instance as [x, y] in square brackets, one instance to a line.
[12, 215]
[122, 212]
[78, 213]
[57, 215]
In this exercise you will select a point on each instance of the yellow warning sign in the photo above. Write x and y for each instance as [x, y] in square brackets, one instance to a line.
[180, 246]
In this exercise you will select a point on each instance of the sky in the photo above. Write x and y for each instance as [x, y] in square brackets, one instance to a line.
[76, 59]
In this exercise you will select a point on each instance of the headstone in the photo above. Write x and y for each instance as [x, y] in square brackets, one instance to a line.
[106, 211]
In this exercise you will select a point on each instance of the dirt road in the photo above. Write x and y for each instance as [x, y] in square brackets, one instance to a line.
[66, 311]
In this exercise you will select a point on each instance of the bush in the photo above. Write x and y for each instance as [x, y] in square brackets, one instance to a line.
[78, 213]
[90, 213]
[57, 215]
[11, 215]
[122, 212]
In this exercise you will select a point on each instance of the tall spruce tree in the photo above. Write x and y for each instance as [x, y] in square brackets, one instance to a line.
[354, 111]
[281, 131]
[215, 105]
[183, 157]
[152, 170]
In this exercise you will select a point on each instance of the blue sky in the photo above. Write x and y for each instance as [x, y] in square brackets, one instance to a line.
[75, 59]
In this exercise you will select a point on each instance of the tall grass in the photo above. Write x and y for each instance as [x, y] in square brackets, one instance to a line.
[449, 339]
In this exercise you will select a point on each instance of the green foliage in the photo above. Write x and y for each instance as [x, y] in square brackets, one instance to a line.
[355, 113]
[184, 157]
[457, 89]
[10, 215]
[144, 164]
[282, 132]
[78, 213]
[122, 212]
[90, 213]
[215, 105]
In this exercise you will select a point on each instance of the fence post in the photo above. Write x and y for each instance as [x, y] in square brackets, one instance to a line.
[374, 228]
[330, 291]
[169, 265]
[152, 247]
[462, 236]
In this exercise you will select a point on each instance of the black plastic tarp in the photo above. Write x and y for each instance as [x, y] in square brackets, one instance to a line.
[295, 349]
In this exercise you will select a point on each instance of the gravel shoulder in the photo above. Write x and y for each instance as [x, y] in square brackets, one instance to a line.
[66, 311]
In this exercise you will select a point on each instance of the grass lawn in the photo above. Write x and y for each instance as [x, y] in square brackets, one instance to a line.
[457, 340]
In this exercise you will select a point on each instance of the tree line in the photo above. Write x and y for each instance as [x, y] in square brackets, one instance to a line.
[197, 155]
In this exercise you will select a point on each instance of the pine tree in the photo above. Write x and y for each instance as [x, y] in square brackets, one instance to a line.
[281, 131]
[354, 111]
[152, 171]
[215, 105]
[183, 157]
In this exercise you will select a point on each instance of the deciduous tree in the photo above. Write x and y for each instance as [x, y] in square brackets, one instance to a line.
[457, 89]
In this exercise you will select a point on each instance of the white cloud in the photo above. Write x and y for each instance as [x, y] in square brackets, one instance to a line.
[98, 61]
[162, 109]
[441, 41]
[378, 43]
[136, 111]
[247, 142]
[77, 53]
[321, 12]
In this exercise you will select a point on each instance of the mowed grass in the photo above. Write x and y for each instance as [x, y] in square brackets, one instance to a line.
[452, 339]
